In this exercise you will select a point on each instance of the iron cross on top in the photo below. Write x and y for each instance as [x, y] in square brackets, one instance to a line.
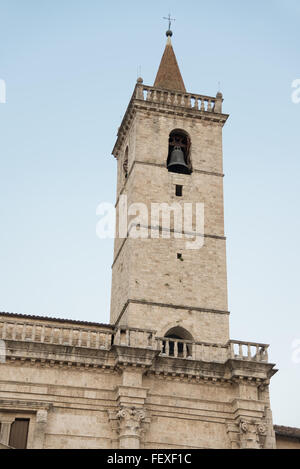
[170, 20]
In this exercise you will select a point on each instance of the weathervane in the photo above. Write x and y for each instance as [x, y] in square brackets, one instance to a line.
[169, 32]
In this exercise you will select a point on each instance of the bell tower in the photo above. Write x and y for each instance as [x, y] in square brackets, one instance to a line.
[169, 155]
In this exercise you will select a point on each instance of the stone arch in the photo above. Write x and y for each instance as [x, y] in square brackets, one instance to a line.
[178, 334]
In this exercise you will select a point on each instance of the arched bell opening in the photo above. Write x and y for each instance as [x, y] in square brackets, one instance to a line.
[179, 152]
[178, 344]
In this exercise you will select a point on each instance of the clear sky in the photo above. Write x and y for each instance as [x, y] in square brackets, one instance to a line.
[70, 67]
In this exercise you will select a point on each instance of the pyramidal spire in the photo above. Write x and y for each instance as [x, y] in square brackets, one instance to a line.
[168, 76]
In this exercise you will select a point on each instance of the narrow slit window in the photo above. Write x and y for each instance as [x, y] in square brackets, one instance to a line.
[178, 190]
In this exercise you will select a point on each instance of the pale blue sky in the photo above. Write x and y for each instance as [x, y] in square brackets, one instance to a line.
[70, 67]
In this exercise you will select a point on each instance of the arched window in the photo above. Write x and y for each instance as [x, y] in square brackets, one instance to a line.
[125, 163]
[178, 336]
[179, 152]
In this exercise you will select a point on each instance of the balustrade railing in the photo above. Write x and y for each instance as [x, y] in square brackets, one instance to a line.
[212, 352]
[196, 102]
[130, 337]
[248, 351]
[48, 334]
[191, 350]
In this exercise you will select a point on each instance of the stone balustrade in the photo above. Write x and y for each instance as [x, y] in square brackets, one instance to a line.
[53, 334]
[131, 337]
[79, 336]
[212, 352]
[248, 351]
[196, 102]
[192, 350]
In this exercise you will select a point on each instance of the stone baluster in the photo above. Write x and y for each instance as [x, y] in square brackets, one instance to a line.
[79, 339]
[88, 344]
[4, 330]
[240, 351]
[175, 348]
[184, 350]
[202, 108]
[188, 100]
[128, 335]
[201, 352]
[196, 104]
[51, 335]
[192, 351]
[97, 340]
[23, 335]
[43, 335]
[209, 106]
[167, 350]
[266, 355]
[249, 352]
[71, 337]
[33, 332]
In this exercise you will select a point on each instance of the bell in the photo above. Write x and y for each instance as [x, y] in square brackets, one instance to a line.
[177, 162]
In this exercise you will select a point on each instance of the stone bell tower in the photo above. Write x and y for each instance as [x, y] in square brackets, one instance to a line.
[158, 281]
[164, 373]
[169, 284]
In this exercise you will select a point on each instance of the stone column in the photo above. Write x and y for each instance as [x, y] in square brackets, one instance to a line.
[130, 427]
[40, 429]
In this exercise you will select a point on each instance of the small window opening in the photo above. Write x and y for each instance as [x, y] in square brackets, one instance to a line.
[178, 191]
[179, 256]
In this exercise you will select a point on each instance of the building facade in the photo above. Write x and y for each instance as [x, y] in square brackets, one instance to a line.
[164, 373]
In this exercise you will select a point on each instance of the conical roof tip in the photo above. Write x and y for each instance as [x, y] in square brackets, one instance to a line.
[168, 76]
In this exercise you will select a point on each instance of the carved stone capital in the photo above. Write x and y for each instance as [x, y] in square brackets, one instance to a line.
[130, 424]
[252, 434]
[130, 420]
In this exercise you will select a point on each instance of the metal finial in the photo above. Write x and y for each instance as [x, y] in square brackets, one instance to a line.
[169, 32]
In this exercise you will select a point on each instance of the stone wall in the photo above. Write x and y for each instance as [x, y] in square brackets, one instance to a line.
[131, 391]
